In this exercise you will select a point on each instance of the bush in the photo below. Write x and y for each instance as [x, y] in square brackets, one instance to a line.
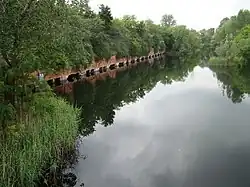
[217, 61]
[40, 140]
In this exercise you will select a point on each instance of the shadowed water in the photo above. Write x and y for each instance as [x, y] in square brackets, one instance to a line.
[179, 131]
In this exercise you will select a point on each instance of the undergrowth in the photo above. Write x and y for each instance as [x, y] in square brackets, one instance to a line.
[41, 139]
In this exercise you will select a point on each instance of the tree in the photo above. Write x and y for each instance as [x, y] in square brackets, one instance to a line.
[106, 15]
[38, 35]
[207, 42]
[187, 42]
[242, 41]
[231, 40]
[149, 22]
[168, 20]
[83, 7]
[50, 36]
[223, 21]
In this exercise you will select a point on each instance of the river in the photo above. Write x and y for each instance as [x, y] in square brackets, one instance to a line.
[162, 126]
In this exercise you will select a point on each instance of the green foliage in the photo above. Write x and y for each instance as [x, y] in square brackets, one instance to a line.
[186, 42]
[231, 40]
[234, 82]
[7, 116]
[39, 35]
[242, 43]
[231, 47]
[207, 43]
[48, 36]
[168, 20]
[106, 16]
[50, 129]
[54, 35]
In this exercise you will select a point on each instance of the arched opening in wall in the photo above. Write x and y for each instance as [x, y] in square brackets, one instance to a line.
[78, 76]
[138, 60]
[149, 57]
[87, 73]
[127, 63]
[142, 58]
[112, 66]
[132, 61]
[146, 58]
[92, 72]
[71, 78]
[100, 70]
[121, 64]
[158, 54]
[104, 68]
[50, 82]
[57, 81]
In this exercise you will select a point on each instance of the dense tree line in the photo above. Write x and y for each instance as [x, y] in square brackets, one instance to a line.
[229, 44]
[50, 35]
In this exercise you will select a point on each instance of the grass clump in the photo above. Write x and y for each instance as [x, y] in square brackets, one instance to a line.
[38, 141]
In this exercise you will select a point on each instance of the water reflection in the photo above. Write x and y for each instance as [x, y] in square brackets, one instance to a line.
[235, 83]
[170, 127]
[183, 134]
[100, 100]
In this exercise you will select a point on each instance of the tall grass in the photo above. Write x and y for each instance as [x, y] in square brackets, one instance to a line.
[41, 139]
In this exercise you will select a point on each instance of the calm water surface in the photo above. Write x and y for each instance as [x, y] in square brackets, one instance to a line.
[184, 134]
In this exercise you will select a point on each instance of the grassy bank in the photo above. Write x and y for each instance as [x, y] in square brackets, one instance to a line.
[48, 131]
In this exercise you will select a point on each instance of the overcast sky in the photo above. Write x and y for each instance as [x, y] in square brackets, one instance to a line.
[197, 14]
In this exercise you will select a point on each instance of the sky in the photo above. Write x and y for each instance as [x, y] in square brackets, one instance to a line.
[196, 14]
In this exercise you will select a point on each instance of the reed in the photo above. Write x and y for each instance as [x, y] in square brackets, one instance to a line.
[48, 131]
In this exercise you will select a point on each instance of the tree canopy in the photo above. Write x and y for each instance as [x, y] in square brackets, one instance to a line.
[230, 44]
[168, 20]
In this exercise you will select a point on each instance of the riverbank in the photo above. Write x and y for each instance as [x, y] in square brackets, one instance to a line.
[39, 141]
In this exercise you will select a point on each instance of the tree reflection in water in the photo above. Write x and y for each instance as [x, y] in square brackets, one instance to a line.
[99, 100]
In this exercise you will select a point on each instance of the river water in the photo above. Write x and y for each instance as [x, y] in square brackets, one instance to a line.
[160, 126]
